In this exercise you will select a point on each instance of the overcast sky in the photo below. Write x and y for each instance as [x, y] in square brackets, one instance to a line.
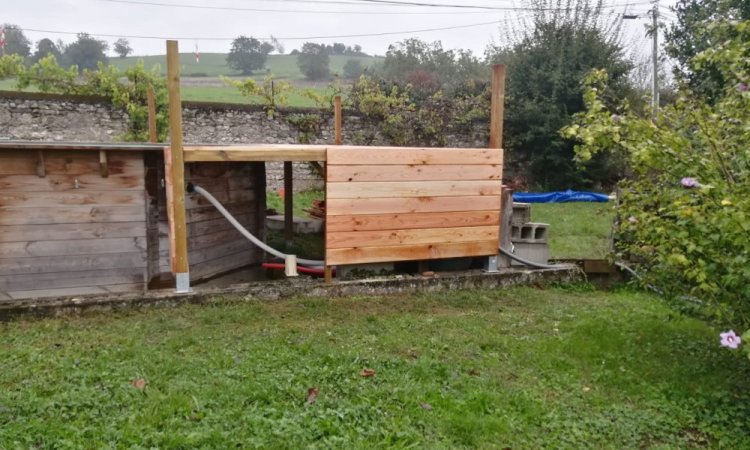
[212, 30]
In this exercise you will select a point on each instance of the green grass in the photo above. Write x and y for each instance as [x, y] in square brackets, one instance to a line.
[301, 201]
[505, 368]
[214, 64]
[230, 94]
[577, 230]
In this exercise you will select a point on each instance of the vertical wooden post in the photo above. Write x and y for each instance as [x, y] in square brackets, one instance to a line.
[288, 205]
[152, 132]
[337, 128]
[337, 119]
[497, 106]
[175, 174]
[496, 141]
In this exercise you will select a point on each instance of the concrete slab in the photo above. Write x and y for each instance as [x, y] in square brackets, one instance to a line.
[288, 288]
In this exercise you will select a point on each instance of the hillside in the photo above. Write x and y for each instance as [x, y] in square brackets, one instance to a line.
[214, 64]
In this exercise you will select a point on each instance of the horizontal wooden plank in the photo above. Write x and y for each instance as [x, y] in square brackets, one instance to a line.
[410, 221]
[62, 232]
[255, 153]
[72, 247]
[414, 173]
[71, 264]
[72, 214]
[78, 291]
[202, 213]
[345, 207]
[84, 146]
[405, 189]
[365, 255]
[348, 155]
[72, 279]
[73, 198]
[89, 181]
[384, 238]
[22, 162]
[217, 266]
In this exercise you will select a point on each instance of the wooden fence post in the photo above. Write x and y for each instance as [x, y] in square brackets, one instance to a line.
[338, 140]
[496, 141]
[175, 175]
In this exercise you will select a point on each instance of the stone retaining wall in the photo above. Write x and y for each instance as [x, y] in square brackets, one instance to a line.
[45, 117]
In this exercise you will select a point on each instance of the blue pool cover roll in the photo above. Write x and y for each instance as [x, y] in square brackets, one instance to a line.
[559, 197]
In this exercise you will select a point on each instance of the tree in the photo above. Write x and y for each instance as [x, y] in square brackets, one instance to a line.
[16, 43]
[353, 69]
[428, 67]
[122, 47]
[313, 61]
[338, 48]
[44, 48]
[544, 68]
[248, 54]
[692, 34]
[86, 52]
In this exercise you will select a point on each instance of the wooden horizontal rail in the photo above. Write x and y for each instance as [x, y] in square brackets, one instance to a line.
[41, 145]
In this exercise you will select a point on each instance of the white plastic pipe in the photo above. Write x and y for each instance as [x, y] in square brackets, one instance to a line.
[247, 234]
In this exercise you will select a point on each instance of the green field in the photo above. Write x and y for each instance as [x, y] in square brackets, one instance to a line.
[504, 368]
[214, 64]
[577, 230]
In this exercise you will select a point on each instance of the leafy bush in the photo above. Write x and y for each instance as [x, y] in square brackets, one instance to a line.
[684, 217]
[272, 92]
[126, 90]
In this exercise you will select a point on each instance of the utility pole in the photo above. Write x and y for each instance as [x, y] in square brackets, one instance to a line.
[655, 58]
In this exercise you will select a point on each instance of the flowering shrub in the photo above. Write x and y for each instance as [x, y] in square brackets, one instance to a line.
[685, 212]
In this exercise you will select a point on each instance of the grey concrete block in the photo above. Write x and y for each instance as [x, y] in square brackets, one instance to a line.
[530, 233]
[300, 225]
[535, 252]
[521, 214]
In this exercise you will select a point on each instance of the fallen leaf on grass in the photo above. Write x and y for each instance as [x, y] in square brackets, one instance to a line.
[312, 395]
[367, 373]
[139, 384]
[426, 406]
[474, 372]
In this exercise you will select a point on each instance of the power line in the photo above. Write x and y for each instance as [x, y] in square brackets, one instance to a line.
[366, 3]
[305, 11]
[290, 38]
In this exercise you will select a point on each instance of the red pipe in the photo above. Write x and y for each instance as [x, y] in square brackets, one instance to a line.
[301, 269]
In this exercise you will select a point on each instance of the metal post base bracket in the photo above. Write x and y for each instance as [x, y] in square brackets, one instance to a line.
[490, 264]
[182, 283]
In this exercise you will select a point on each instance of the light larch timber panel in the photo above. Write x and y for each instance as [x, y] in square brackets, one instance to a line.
[71, 230]
[397, 204]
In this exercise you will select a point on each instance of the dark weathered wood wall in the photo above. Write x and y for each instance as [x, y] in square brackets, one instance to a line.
[67, 230]
[64, 228]
[214, 246]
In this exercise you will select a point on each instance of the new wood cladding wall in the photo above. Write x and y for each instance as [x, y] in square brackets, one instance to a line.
[71, 230]
[396, 204]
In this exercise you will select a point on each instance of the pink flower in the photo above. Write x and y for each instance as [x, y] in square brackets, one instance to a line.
[632, 220]
[729, 339]
[742, 87]
[690, 182]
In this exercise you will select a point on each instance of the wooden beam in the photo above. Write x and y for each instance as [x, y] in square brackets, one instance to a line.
[41, 170]
[497, 109]
[497, 106]
[337, 120]
[288, 205]
[175, 174]
[151, 99]
[255, 153]
[399, 156]
[103, 163]
[506, 216]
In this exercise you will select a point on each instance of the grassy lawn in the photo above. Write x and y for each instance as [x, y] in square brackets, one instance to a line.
[507, 368]
[577, 230]
[230, 94]
[215, 64]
